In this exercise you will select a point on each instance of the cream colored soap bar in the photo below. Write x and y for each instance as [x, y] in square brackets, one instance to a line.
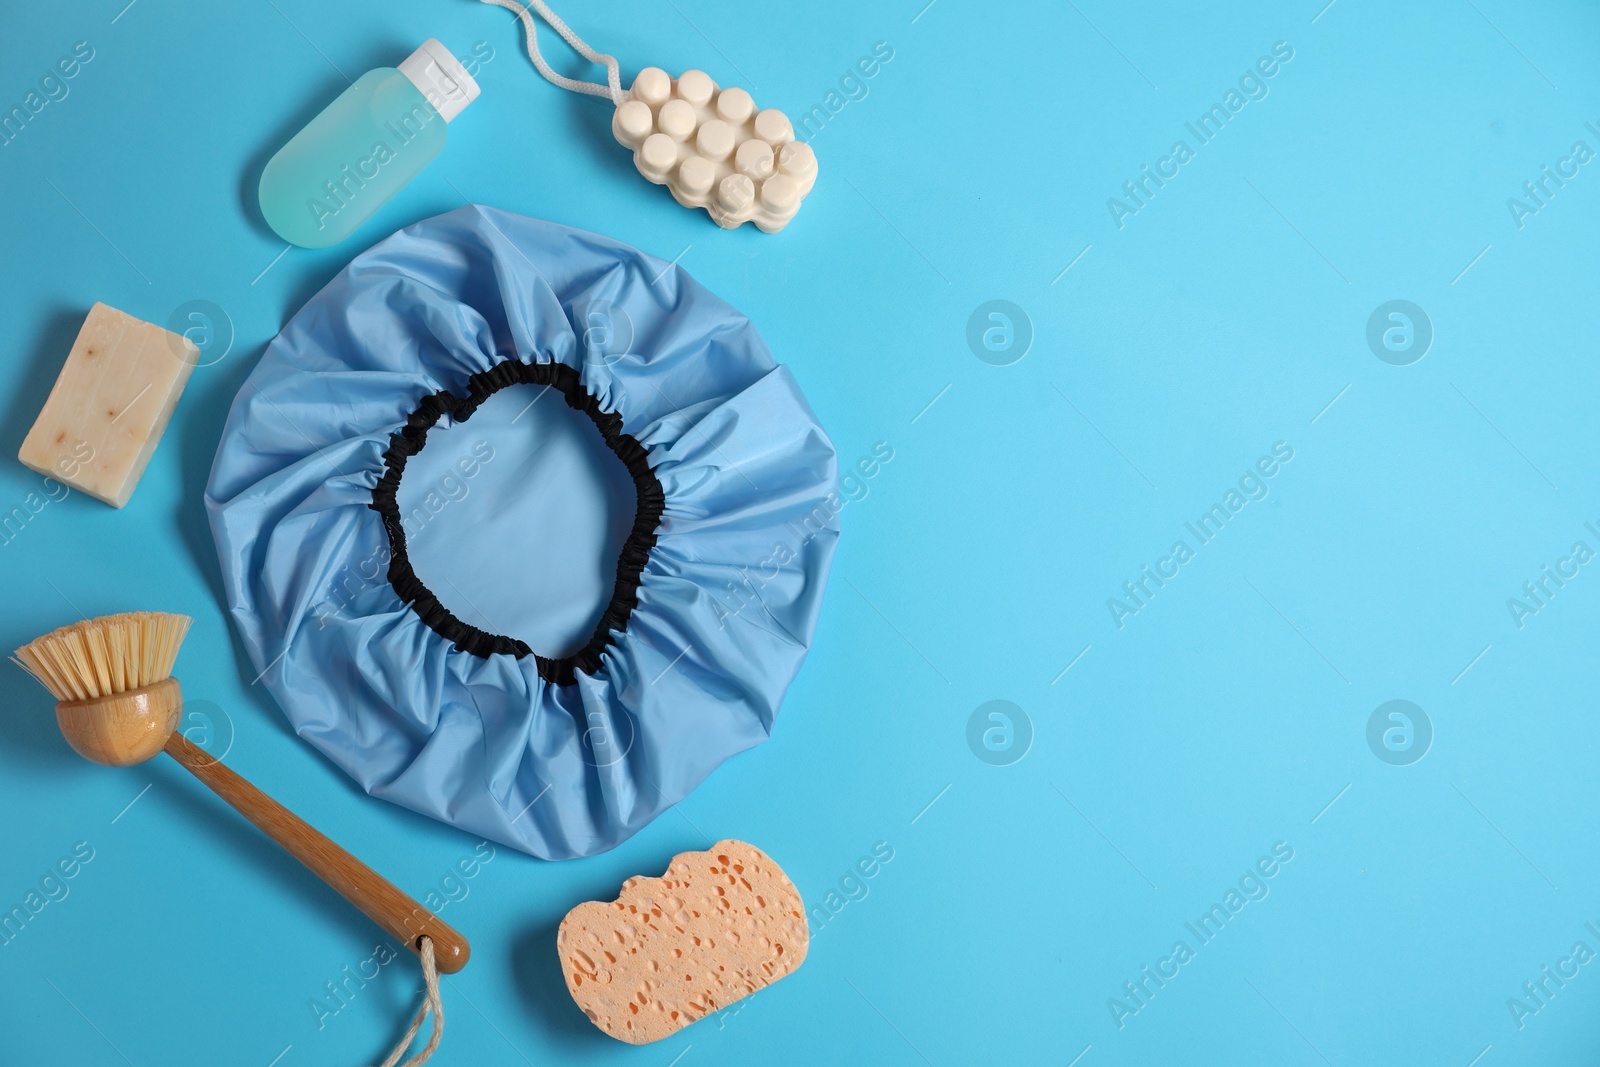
[110, 404]
[718, 926]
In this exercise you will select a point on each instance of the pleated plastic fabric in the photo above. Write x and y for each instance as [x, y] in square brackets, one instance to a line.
[423, 702]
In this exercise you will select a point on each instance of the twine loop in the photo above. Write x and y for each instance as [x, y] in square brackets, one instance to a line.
[430, 1002]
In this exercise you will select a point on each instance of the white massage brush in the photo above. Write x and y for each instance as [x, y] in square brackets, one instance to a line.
[710, 146]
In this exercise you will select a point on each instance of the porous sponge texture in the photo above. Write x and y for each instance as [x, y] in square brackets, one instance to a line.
[714, 149]
[716, 927]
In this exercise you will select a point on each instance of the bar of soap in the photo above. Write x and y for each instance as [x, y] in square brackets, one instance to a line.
[109, 405]
[718, 926]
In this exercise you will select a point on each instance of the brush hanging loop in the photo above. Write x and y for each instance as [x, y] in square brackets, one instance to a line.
[430, 1002]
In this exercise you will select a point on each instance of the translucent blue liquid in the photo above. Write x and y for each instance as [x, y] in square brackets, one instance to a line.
[349, 160]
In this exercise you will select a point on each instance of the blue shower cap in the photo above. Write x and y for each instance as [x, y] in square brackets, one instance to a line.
[404, 654]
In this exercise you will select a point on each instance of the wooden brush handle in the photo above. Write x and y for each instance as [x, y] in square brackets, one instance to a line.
[404, 919]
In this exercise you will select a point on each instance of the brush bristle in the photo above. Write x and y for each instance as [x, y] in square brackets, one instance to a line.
[111, 654]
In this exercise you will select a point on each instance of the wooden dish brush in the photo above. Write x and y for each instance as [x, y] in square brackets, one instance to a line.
[119, 705]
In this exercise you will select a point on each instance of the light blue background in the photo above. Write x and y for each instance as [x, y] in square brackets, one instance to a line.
[1224, 317]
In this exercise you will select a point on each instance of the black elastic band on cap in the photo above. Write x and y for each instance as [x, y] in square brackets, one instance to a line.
[630, 561]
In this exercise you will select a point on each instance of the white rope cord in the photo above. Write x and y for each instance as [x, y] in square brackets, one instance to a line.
[430, 1002]
[613, 86]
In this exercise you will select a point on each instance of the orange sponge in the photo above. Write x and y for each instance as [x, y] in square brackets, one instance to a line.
[715, 928]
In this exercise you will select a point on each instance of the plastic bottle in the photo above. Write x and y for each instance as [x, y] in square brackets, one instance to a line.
[364, 147]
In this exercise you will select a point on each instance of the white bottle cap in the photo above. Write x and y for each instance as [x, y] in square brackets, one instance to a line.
[441, 78]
